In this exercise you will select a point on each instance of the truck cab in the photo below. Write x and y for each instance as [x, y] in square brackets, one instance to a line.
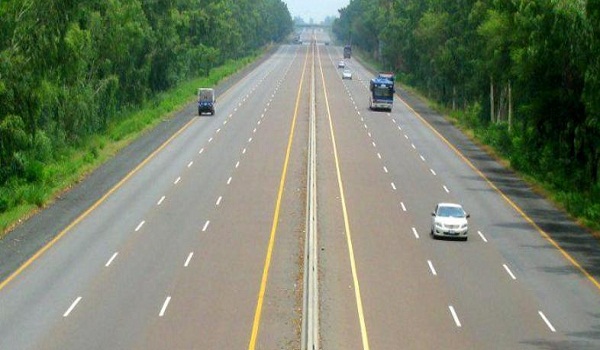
[206, 101]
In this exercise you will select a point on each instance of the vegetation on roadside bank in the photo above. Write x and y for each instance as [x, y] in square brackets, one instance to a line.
[80, 79]
[522, 75]
[73, 163]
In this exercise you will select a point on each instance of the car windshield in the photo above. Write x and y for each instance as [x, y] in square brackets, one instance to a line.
[454, 212]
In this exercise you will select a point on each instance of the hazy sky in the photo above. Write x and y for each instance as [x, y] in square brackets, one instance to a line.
[315, 9]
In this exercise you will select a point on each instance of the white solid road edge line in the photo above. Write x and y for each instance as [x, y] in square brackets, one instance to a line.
[546, 321]
[72, 307]
[509, 272]
[164, 307]
[454, 316]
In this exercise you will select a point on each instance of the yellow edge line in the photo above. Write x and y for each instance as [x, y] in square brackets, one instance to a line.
[359, 306]
[265, 275]
[99, 201]
[90, 209]
[508, 200]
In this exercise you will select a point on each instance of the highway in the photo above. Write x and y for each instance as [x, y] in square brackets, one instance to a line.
[201, 245]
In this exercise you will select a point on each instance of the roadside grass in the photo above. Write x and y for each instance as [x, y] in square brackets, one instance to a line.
[20, 199]
[584, 207]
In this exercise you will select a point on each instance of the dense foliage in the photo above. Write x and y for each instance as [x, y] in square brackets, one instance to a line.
[526, 73]
[68, 68]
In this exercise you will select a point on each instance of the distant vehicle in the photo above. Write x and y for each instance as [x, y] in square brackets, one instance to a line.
[347, 51]
[382, 92]
[206, 101]
[449, 220]
[347, 74]
[327, 43]
[341, 64]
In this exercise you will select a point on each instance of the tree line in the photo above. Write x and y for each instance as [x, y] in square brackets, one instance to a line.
[524, 73]
[68, 67]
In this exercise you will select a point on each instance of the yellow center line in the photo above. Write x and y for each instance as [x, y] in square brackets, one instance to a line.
[543, 233]
[48, 245]
[265, 275]
[361, 316]
[92, 208]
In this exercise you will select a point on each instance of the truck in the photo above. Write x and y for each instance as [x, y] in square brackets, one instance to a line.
[347, 51]
[206, 101]
[382, 91]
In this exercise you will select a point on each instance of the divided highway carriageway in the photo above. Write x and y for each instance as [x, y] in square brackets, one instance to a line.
[205, 244]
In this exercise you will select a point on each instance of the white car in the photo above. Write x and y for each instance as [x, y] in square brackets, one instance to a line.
[341, 64]
[347, 74]
[449, 220]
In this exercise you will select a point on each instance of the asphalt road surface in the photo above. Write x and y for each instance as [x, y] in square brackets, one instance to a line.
[201, 245]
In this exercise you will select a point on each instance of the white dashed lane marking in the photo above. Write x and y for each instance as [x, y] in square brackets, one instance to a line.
[433, 272]
[509, 272]
[189, 258]
[72, 307]
[547, 321]
[139, 226]
[111, 259]
[164, 307]
[482, 236]
[454, 316]
[414, 230]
